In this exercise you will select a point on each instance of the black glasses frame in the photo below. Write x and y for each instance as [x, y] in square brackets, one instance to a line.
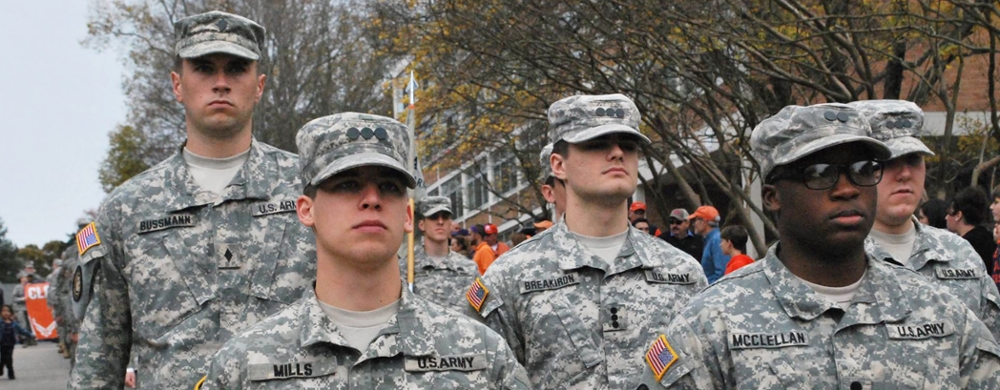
[825, 176]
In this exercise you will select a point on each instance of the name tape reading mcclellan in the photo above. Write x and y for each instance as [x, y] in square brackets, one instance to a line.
[765, 340]
[549, 284]
[920, 331]
[167, 222]
[262, 209]
[446, 363]
[957, 273]
[268, 371]
[653, 276]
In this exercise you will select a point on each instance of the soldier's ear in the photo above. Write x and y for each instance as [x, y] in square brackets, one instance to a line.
[408, 226]
[558, 163]
[770, 197]
[175, 80]
[304, 209]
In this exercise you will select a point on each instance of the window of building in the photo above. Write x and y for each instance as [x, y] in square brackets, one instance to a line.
[453, 190]
[505, 174]
[478, 191]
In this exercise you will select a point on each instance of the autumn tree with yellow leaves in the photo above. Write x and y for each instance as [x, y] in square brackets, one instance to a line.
[703, 74]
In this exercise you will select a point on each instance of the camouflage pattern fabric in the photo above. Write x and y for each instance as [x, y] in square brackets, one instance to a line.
[431, 205]
[424, 346]
[63, 292]
[182, 273]
[763, 328]
[218, 32]
[897, 123]
[336, 143]
[441, 281]
[577, 322]
[544, 163]
[947, 260]
[583, 117]
[797, 131]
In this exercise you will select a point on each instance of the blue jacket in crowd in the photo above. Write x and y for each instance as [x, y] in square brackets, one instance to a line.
[713, 261]
[9, 331]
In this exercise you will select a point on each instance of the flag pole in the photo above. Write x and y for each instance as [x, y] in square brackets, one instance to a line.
[411, 86]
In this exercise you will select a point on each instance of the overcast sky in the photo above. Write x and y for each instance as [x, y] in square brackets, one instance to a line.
[58, 101]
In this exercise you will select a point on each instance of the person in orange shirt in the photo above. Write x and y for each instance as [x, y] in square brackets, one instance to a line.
[492, 238]
[734, 244]
[484, 254]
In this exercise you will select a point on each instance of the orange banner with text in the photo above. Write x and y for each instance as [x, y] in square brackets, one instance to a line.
[41, 317]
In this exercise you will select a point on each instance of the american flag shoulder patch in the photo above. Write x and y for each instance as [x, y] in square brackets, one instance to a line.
[477, 294]
[87, 238]
[661, 356]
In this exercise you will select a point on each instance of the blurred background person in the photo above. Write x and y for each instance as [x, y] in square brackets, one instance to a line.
[734, 244]
[966, 216]
[932, 212]
[681, 237]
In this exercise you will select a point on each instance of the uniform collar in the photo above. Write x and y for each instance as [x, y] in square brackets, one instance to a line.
[879, 297]
[422, 260]
[572, 254]
[250, 182]
[923, 242]
[405, 333]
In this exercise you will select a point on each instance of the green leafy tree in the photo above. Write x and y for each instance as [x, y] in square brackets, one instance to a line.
[128, 156]
[9, 264]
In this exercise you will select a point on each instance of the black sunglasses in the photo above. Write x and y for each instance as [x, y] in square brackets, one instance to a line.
[675, 222]
[825, 176]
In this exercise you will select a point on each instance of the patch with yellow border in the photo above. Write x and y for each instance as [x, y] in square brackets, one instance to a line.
[477, 294]
[661, 356]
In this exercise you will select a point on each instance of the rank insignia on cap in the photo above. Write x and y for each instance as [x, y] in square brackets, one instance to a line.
[477, 294]
[87, 238]
[661, 356]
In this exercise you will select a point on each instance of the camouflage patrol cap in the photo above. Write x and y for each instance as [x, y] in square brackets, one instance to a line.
[796, 132]
[332, 144]
[218, 32]
[897, 123]
[544, 163]
[431, 205]
[584, 117]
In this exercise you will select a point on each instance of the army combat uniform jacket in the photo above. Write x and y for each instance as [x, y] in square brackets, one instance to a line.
[763, 328]
[441, 281]
[424, 346]
[948, 260]
[181, 273]
[577, 322]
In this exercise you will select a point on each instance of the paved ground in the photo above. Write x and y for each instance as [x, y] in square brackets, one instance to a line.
[38, 368]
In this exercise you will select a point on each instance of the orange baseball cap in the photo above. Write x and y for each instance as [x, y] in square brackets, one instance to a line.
[637, 206]
[707, 213]
[490, 228]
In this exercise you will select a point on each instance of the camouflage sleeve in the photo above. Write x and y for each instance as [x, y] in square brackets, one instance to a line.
[226, 370]
[980, 360]
[106, 332]
[681, 359]
[493, 311]
[512, 374]
[990, 310]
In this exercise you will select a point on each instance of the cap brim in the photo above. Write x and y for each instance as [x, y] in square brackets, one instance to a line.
[878, 149]
[906, 145]
[436, 210]
[217, 47]
[359, 160]
[598, 131]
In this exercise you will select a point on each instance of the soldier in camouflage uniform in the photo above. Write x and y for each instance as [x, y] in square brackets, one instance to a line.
[202, 245]
[70, 324]
[439, 274]
[579, 302]
[943, 257]
[553, 190]
[361, 329]
[817, 312]
[55, 305]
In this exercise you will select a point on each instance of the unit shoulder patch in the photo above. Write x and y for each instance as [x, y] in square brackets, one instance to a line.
[477, 294]
[661, 356]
